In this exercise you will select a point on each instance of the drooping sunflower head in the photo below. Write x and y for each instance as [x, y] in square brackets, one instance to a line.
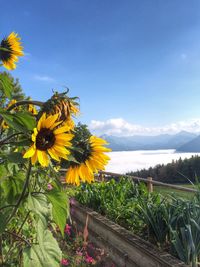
[63, 105]
[50, 139]
[90, 161]
[10, 50]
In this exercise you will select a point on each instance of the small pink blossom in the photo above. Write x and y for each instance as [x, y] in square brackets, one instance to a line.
[65, 262]
[67, 229]
[79, 253]
[88, 259]
[72, 201]
[49, 187]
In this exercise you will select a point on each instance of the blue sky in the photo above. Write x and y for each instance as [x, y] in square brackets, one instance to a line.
[134, 64]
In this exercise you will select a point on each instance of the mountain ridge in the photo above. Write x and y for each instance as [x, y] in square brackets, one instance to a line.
[141, 142]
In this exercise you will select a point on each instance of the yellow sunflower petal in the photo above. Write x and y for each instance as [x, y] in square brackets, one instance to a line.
[53, 154]
[41, 121]
[50, 120]
[34, 158]
[61, 149]
[30, 152]
[64, 136]
[61, 130]
[43, 158]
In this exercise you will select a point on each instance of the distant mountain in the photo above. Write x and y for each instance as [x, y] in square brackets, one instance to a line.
[191, 146]
[181, 138]
[138, 142]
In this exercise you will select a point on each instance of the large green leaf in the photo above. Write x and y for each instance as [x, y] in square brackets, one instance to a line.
[21, 121]
[60, 207]
[15, 157]
[12, 186]
[3, 171]
[26, 119]
[44, 254]
[38, 204]
[6, 85]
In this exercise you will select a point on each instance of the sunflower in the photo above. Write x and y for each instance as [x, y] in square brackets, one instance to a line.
[94, 159]
[49, 138]
[10, 50]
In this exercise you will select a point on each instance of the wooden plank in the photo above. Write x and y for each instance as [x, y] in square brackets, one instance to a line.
[123, 247]
[139, 179]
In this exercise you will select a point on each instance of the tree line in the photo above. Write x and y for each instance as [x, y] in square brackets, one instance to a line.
[178, 171]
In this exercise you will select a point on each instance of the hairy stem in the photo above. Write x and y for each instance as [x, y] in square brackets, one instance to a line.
[25, 102]
[23, 222]
[2, 142]
[18, 237]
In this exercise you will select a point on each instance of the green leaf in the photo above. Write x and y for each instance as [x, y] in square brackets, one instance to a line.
[3, 171]
[44, 254]
[26, 119]
[22, 121]
[38, 204]
[12, 187]
[60, 207]
[72, 159]
[6, 85]
[4, 214]
[15, 157]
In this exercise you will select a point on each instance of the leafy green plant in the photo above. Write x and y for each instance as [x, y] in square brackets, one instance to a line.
[154, 213]
[185, 230]
[170, 223]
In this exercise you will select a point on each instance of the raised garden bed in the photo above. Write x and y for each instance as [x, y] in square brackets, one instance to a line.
[124, 248]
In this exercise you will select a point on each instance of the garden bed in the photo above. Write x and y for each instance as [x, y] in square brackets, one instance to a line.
[124, 248]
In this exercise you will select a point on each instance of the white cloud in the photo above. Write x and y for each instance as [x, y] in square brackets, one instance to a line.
[44, 78]
[120, 127]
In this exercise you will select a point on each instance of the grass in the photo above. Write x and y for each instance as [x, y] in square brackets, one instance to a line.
[174, 192]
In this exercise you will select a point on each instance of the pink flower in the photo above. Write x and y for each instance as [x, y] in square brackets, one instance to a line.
[67, 229]
[72, 201]
[64, 262]
[49, 187]
[79, 253]
[88, 259]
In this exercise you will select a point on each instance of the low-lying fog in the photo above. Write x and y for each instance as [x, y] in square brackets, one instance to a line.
[125, 161]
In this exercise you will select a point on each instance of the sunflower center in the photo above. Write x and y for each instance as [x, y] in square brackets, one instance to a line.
[45, 139]
[5, 55]
[82, 157]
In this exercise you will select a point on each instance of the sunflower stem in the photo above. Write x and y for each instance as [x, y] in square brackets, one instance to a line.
[22, 194]
[2, 142]
[25, 102]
